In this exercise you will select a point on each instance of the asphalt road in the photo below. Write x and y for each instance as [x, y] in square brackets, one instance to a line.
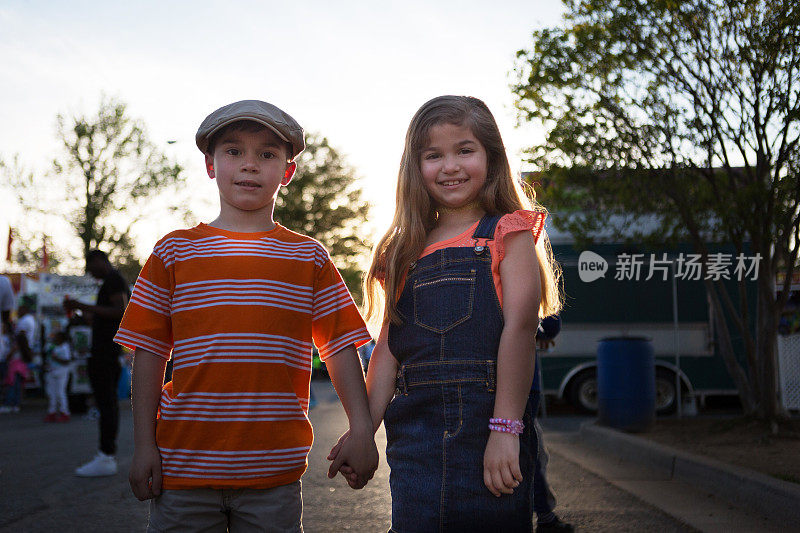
[39, 493]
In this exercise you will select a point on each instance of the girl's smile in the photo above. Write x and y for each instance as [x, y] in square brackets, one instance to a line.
[453, 183]
[453, 165]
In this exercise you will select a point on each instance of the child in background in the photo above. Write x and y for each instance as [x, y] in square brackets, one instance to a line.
[56, 379]
[236, 304]
[467, 273]
[6, 341]
[17, 373]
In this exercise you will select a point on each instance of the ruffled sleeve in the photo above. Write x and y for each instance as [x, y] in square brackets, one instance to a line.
[521, 220]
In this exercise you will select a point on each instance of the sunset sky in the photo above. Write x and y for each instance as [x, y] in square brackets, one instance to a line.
[352, 71]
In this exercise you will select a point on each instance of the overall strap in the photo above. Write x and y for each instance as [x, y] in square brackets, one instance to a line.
[486, 226]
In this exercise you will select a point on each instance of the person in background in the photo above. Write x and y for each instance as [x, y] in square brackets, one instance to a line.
[6, 328]
[365, 353]
[6, 299]
[25, 327]
[6, 307]
[544, 501]
[59, 357]
[103, 365]
[16, 375]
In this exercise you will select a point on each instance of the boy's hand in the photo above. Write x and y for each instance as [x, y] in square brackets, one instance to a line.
[346, 470]
[356, 457]
[501, 473]
[145, 473]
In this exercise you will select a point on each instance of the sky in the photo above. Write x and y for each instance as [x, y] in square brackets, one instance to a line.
[353, 71]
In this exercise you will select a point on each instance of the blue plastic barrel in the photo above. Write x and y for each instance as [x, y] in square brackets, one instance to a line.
[626, 383]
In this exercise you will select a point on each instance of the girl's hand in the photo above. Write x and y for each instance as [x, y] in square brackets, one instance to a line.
[347, 472]
[501, 473]
[338, 446]
[145, 473]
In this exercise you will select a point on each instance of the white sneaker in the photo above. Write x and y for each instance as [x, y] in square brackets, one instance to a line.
[101, 465]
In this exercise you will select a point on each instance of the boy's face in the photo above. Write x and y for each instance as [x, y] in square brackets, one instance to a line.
[249, 169]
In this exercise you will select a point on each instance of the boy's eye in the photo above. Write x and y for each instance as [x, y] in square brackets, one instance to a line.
[232, 151]
[268, 155]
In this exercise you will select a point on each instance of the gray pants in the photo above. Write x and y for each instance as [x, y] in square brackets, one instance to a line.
[275, 510]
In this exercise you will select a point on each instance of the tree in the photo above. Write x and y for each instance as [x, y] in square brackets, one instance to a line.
[104, 182]
[687, 113]
[323, 201]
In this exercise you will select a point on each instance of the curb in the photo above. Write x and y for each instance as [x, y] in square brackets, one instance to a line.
[742, 486]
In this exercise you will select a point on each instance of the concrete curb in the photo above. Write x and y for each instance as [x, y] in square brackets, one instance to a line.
[741, 486]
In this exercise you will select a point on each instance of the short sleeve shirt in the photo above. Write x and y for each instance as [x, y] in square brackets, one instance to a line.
[522, 220]
[238, 313]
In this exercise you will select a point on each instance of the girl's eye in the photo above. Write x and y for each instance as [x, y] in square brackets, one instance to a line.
[432, 155]
[466, 151]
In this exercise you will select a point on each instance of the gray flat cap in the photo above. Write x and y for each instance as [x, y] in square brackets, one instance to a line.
[264, 113]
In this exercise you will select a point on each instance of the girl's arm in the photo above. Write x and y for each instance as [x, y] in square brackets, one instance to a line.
[148, 378]
[516, 358]
[381, 378]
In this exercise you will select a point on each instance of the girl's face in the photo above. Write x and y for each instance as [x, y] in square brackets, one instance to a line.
[453, 165]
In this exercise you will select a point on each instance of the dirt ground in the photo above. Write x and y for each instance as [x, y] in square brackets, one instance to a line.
[736, 440]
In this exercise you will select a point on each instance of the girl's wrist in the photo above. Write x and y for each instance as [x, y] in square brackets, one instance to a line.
[506, 425]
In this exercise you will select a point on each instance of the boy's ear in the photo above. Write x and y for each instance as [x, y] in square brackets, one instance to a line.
[210, 167]
[289, 174]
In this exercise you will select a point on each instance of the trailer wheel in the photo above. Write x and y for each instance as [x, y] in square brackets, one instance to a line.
[583, 391]
[666, 399]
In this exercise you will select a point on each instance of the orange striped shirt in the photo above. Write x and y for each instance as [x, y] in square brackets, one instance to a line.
[238, 312]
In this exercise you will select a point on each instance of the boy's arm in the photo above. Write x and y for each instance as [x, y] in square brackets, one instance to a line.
[147, 380]
[381, 378]
[516, 358]
[348, 379]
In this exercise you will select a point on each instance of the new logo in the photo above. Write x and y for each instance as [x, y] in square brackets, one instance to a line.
[591, 266]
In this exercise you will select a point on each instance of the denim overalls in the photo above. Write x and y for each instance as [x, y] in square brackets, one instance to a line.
[437, 423]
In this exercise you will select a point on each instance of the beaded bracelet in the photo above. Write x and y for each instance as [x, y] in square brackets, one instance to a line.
[505, 425]
[504, 429]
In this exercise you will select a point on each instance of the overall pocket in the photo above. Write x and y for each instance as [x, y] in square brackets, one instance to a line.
[444, 301]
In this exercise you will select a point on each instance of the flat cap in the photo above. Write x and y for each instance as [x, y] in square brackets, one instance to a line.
[264, 113]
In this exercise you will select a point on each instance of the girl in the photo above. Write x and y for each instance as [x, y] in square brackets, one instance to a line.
[466, 275]
[57, 378]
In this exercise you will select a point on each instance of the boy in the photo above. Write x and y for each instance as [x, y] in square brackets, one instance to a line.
[237, 303]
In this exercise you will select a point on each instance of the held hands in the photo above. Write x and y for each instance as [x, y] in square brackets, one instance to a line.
[501, 472]
[145, 473]
[356, 457]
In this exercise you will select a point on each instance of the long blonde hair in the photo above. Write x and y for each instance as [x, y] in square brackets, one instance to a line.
[415, 214]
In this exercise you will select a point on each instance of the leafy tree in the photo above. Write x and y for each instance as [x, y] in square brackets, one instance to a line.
[684, 115]
[324, 202]
[103, 183]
